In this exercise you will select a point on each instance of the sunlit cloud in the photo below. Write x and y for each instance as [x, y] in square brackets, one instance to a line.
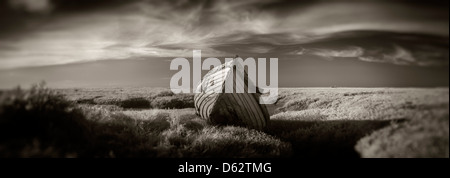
[349, 52]
[219, 28]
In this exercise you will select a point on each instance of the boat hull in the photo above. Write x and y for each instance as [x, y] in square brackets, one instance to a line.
[237, 108]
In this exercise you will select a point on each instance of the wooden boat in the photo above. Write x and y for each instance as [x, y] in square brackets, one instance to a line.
[238, 108]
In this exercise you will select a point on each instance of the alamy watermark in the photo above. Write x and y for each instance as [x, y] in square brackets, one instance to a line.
[269, 92]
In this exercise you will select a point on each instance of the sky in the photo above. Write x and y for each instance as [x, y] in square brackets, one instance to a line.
[102, 43]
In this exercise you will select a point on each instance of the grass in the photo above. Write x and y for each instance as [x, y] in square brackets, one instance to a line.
[324, 138]
[140, 98]
[179, 133]
[154, 122]
[409, 139]
[39, 122]
[352, 122]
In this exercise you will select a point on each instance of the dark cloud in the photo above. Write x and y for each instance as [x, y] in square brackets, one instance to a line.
[389, 47]
[46, 32]
[32, 6]
[364, 43]
[369, 46]
[22, 16]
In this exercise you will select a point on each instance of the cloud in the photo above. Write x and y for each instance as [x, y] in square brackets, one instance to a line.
[86, 30]
[352, 51]
[392, 51]
[399, 56]
[32, 6]
[369, 46]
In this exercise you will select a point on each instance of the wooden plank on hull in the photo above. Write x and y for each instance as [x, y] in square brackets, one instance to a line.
[218, 107]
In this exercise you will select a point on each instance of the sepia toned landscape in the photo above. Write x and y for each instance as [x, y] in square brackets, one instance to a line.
[154, 122]
[331, 79]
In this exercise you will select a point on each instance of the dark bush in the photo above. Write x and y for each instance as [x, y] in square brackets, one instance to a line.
[139, 103]
[40, 123]
[86, 101]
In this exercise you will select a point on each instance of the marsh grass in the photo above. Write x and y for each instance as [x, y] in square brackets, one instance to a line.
[141, 98]
[408, 139]
[143, 123]
[38, 122]
[363, 122]
[324, 138]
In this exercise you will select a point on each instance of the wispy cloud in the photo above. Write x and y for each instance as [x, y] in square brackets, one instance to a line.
[330, 53]
[103, 30]
[399, 56]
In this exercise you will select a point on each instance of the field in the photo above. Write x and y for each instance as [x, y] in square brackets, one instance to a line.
[154, 122]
